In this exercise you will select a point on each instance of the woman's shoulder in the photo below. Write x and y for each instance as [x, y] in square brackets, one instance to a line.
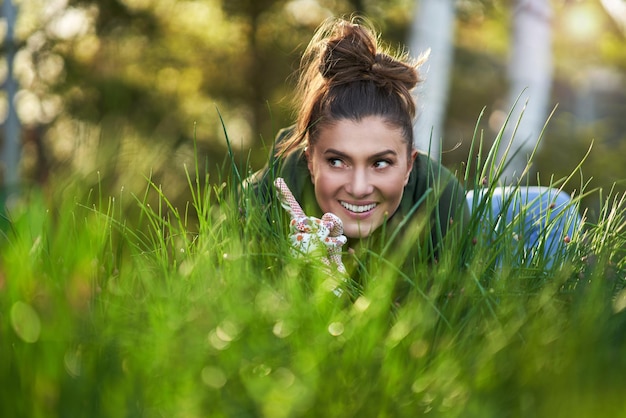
[284, 133]
[287, 166]
[427, 172]
[431, 177]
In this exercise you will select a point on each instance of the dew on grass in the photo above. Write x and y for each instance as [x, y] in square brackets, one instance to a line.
[25, 322]
[261, 370]
[285, 377]
[336, 329]
[398, 332]
[216, 342]
[420, 384]
[361, 304]
[213, 377]
[227, 331]
[282, 329]
[72, 362]
[418, 348]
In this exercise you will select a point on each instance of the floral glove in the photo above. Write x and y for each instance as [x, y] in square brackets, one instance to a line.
[310, 235]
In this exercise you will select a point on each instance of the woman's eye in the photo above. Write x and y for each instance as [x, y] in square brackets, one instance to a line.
[382, 164]
[335, 162]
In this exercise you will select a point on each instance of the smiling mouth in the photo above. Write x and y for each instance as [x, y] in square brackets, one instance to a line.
[358, 208]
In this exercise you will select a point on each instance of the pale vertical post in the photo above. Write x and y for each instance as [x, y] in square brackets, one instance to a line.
[432, 29]
[11, 143]
[530, 78]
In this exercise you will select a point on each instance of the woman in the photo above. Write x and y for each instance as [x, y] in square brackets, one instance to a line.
[351, 151]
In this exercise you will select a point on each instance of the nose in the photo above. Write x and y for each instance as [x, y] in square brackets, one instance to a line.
[359, 185]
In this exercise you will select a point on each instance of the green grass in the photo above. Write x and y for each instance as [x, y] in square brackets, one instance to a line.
[169, 314]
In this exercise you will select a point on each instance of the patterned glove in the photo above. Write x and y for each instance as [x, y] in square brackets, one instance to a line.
[310, 235]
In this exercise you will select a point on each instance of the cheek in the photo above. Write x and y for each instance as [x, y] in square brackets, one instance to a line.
[394, 188]
[327, 187]
[325, 182]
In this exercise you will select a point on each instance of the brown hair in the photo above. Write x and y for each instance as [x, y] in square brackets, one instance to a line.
[346, 74]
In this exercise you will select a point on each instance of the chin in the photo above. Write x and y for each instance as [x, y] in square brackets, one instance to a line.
[357, 233]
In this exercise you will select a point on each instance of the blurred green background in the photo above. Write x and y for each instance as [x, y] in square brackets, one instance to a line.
[99, 317]
[113, 91]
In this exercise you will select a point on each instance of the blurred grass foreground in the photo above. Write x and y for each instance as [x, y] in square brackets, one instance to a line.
[173, 315]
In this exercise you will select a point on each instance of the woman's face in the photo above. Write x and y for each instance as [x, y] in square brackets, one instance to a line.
[359, 170]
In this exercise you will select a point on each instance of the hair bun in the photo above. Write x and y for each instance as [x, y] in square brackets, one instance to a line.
[351, 54]
[348, 53]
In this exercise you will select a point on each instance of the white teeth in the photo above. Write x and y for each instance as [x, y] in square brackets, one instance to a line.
[356, 208]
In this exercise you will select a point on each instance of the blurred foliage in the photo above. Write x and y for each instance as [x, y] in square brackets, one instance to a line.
[179, 318]
[588, 93]
[115, 91]
[101, 319]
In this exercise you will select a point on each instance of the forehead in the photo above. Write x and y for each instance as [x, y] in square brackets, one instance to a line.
[369, 135]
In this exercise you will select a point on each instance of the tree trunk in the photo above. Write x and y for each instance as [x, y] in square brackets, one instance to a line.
[617, 10]
[10, 154]
[432, 28]
[530, 76]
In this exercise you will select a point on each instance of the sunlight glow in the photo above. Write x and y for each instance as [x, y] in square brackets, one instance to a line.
[71, 24]
[307, 12]
[617, 10]
[583, 22]
[28, 107]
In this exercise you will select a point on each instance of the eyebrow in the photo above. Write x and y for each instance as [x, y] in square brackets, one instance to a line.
[373, 156]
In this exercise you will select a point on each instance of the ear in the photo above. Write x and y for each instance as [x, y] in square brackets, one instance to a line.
[409, 165]
[309, 164]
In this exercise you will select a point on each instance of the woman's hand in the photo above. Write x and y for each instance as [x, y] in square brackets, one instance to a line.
[310, 235]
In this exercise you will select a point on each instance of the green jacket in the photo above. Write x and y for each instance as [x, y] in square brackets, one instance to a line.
[433, 200]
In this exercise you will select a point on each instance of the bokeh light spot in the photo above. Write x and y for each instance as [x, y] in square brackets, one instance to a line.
[25, 322]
